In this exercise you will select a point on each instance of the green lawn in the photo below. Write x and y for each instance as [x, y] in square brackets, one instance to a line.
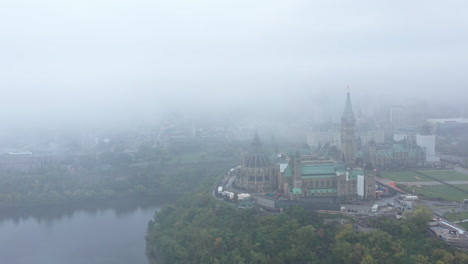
[457, 216]
[464, 225]
[403, 176]
[444, 192]
[446, 175]
[462, 186]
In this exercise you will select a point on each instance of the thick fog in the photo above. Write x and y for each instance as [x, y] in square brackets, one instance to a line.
[103, 62]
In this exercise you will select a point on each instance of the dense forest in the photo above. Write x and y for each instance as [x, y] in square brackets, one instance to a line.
[200, 229]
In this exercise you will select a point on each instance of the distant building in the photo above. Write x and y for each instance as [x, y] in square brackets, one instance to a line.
[396, 156]
[321, 138]
[411, 114]
[349, 138]
[449, 126]
[398, 119]
[377, 136]
[26, 161]
[406, 134]
[257, 173]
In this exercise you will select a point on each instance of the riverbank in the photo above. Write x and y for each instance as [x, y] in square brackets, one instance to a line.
[92, 200]
[61, 188]
[121, 205]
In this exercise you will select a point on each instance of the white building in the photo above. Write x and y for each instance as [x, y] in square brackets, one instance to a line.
[405, 134]
[378, 136]
[427, 143]
[320, 138]
[360, 186]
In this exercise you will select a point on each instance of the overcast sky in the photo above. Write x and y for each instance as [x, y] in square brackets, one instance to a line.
[66, 60]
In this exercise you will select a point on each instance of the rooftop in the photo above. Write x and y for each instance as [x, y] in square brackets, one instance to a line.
[318, 170]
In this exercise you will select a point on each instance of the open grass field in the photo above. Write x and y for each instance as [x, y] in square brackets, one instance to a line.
[464, 225]
[403, 176]
[444, 192]
[446, 175]
[456, 216]
[462, 186]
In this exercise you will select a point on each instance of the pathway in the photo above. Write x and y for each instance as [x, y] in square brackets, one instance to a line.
[433, 183]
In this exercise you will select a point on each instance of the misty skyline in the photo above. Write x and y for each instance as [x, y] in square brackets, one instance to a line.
[89, 61]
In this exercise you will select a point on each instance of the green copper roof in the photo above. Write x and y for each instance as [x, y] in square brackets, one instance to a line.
[319, 176]
[288, 171]
[398, 148]
[297, 191]
[348, 111]
[354, 173]
[341, 167]
[318, 170]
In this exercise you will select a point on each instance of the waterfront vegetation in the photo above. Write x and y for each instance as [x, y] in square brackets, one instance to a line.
[443, 192]
[403, 176]
[147, 172]
[201, 229]
[446, 175]
[336, 216]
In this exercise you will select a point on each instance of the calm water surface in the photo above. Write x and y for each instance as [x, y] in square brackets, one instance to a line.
[105, 232]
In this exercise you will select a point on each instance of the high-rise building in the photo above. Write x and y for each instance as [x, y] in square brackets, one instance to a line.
[398, 117]
[348, 133]
[410, 115]
[321, 138]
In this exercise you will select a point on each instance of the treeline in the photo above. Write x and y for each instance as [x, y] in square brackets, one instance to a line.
[63, 186]
[199, 229]
[110, 172]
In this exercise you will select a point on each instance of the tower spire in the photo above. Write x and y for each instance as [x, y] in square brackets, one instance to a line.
[348, 111]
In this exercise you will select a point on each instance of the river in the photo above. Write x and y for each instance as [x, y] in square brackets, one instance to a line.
[93, 233]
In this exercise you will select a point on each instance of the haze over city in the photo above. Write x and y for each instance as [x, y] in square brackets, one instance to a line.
[115, 62]
[267, 131]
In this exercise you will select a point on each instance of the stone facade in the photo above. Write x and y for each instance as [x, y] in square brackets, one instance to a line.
[305, 178]
[257, 173]
[397, 155]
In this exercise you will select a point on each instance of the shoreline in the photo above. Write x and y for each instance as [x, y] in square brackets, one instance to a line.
[89, 201]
